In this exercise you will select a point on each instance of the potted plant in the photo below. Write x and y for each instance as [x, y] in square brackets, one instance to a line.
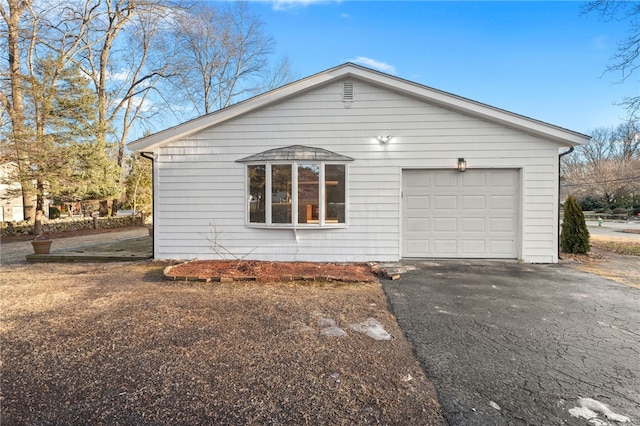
[41, 246]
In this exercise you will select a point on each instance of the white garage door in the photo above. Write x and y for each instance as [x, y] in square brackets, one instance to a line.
[448, 214]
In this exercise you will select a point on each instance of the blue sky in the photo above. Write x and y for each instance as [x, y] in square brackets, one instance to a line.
[544, 60]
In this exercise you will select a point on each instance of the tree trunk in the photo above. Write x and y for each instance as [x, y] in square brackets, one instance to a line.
[37, 224]
[104, 208]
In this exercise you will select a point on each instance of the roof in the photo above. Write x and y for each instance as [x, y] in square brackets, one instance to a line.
[296, 153]
[563, 137]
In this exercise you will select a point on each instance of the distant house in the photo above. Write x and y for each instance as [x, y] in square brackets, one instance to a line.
[355, 165]
[10, 194]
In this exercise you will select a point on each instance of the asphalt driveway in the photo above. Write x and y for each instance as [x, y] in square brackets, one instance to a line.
[511, 344]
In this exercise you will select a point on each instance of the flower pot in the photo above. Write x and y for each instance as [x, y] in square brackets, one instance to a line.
[42, 246]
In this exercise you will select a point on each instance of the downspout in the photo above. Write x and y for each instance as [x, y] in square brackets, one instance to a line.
[149, 156]
[569, 151]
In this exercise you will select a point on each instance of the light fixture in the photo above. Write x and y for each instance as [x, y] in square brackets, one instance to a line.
[462, 165]
[384, 139]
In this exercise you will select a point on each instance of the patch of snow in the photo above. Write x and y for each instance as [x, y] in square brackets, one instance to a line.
[333, 332]
[590, 407]
[326, 322]
[598, 422]
[372, 328]
[494, 405]
[585, 413]
[328, 327]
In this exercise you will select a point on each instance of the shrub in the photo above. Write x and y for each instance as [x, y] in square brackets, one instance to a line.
[574, 237]
[54, 213]
[590, 203]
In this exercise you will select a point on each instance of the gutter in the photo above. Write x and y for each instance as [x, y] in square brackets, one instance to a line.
[569, 151]
[150, 156]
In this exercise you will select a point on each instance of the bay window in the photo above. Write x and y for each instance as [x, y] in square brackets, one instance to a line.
[297, 194]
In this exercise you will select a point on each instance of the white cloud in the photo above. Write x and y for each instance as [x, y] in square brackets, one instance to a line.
[119, 76]
[374, 64]
[292, 4]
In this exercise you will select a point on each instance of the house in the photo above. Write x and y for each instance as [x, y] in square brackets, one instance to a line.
[12, 209]
[356, 165]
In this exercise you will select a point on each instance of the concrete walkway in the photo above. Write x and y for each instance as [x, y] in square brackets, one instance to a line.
[128, 244]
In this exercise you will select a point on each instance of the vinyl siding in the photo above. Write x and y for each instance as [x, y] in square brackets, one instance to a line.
[200, 186]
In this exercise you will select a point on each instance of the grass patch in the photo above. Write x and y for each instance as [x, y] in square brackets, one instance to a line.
[627, 247]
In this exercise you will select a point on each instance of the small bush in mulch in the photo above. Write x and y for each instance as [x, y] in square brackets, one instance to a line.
[243, 270]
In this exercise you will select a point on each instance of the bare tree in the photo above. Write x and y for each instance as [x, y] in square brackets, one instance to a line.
[626, 60]
[278, 75]
[224, 55]
[12, 99]
[125, 58]
[606, 169]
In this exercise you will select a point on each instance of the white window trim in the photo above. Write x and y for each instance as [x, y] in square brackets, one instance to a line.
[294, 196]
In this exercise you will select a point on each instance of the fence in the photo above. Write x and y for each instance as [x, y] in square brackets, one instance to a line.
[53, 226]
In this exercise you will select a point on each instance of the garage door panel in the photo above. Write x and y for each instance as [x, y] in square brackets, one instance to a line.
[416, 203]
[417, 224]
[473, 248]
[416, 180]
[473, 202]
[503, 179]
[473, 224]
[445, 247]
[474, 180]
[501, 247]
[445, 180]
[445, 224]
[450, 214]
[501, 202]
[502, 224]
[445, 202]
[417, 246]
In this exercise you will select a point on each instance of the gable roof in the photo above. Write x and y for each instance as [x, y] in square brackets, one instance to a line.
[563, 137]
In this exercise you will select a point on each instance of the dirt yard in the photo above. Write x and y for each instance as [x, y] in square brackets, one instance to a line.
[624, 269]
[115, 344]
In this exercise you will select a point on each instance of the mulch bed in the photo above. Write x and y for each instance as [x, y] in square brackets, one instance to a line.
[252, 270]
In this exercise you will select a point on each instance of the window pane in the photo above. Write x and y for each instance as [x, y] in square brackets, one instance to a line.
[308, 193]
[257, 194]
[281, 193]
[334, 178]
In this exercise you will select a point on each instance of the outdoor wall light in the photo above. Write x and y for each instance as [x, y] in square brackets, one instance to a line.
[462, 165]
[384, 139]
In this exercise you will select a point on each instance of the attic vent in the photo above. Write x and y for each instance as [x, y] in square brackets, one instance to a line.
[347, 92]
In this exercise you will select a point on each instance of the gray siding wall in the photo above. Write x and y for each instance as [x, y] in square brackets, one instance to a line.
[201, 191]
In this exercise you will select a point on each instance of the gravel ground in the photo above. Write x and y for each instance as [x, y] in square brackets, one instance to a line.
[114, 344]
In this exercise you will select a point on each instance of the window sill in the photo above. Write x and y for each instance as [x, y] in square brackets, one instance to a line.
[298, 227]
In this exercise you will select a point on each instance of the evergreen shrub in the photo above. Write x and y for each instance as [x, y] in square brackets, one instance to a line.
[574, 237]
